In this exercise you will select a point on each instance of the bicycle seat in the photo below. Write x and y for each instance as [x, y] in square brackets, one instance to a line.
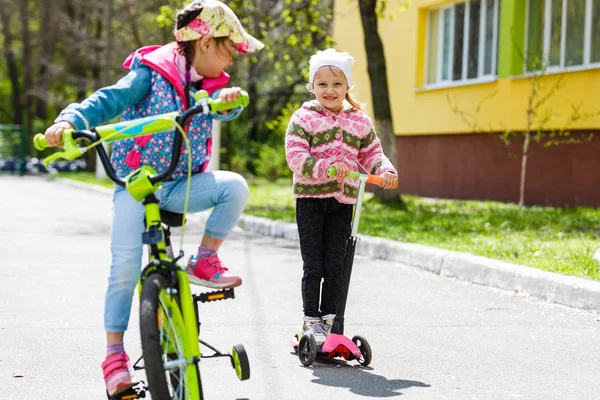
[170, 218]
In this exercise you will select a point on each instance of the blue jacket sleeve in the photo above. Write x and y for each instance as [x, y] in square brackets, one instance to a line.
[108, 102]
[232, 114]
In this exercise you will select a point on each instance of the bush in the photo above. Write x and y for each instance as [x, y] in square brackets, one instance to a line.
[238, 163]
[271, 163]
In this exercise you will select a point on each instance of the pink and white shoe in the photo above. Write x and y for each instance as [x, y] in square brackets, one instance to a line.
[211, 272]
[117, 373]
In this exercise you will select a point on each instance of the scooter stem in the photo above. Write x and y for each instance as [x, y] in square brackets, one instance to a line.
[357, 208]
[338, 323]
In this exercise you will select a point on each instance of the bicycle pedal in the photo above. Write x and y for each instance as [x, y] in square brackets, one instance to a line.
[137, 391]
[215, 296]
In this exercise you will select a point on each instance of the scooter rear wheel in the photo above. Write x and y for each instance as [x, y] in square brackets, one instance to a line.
[365, 350]
[307, 349]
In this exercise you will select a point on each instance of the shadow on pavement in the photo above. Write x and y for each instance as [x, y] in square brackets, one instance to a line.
[359, 380]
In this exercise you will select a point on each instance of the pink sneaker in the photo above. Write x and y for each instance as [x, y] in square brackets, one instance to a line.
[117, 375]
[211, 272]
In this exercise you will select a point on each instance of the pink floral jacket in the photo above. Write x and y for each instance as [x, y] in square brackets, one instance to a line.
[317, 138]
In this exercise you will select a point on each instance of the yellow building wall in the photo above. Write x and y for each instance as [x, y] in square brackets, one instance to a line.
[420, 111]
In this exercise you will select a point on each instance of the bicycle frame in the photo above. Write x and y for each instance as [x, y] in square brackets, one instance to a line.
[161, 262]
[191, 346]
[142, 184]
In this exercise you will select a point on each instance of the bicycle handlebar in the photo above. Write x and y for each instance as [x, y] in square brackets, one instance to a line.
[355, 175]
[138, 127]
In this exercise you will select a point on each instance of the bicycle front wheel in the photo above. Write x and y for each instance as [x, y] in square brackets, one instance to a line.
[171, 375]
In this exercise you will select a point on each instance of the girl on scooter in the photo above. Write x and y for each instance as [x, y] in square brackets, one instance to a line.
[330, 131]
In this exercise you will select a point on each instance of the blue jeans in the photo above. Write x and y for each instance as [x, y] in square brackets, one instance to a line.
[226, 191]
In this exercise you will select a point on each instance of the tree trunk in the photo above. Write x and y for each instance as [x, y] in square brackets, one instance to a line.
[109, 43]
[96, 69]
[76, 62]
[13, 72]
[252, 88]
[252, 91]
[27, 70]
[524, 168]
[526, 141]
[48, 40]
[106, 65]
[379, 85]
[332, 22]
[133, 24]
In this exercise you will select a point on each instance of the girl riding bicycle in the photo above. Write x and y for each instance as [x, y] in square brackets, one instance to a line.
[162, 79]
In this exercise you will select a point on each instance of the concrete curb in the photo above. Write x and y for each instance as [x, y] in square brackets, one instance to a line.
[567, 290]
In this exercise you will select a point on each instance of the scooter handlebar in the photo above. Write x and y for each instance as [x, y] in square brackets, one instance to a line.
[374, 179]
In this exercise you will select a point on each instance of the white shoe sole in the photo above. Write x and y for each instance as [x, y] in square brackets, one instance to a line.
[213, 285]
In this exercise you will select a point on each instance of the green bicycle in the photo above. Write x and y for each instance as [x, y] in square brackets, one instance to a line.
[169, 317]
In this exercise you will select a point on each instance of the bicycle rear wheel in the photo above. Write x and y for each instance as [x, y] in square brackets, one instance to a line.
[170, 374]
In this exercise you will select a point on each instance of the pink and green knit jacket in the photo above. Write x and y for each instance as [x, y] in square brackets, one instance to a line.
[317, 138]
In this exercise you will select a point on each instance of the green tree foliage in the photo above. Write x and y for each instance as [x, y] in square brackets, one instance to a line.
[68, 49]
[275, 78]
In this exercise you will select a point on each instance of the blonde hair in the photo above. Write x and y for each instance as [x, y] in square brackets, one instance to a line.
[354, 103]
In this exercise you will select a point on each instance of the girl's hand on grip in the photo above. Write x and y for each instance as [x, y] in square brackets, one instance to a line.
[341, 169]
[53, 134]
[389, 181]
[230, 94]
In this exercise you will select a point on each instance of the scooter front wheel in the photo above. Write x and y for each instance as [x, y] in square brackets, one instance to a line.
[307, 349]
[365, 350]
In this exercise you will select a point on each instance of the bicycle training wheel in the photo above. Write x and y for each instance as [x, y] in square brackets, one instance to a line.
[170, 376]
[240, 362]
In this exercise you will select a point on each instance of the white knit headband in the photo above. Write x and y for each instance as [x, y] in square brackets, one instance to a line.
[333, 58]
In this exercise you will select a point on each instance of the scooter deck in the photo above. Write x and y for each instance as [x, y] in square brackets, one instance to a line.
[334, 346]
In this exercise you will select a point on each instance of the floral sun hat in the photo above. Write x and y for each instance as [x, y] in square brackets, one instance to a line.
[218, 20]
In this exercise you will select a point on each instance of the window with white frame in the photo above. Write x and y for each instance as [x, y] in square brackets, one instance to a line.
[562, 33]
[462, 42]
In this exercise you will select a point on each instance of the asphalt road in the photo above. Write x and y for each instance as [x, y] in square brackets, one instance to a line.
[432, 337]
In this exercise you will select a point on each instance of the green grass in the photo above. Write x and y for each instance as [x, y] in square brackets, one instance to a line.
[271, 200]
[553, 239]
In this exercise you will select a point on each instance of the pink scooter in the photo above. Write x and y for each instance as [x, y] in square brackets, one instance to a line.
[336, 344]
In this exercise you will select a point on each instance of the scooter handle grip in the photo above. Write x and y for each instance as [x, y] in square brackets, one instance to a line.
[374, 179]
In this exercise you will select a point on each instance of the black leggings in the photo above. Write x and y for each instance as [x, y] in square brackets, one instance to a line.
[324, 226]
